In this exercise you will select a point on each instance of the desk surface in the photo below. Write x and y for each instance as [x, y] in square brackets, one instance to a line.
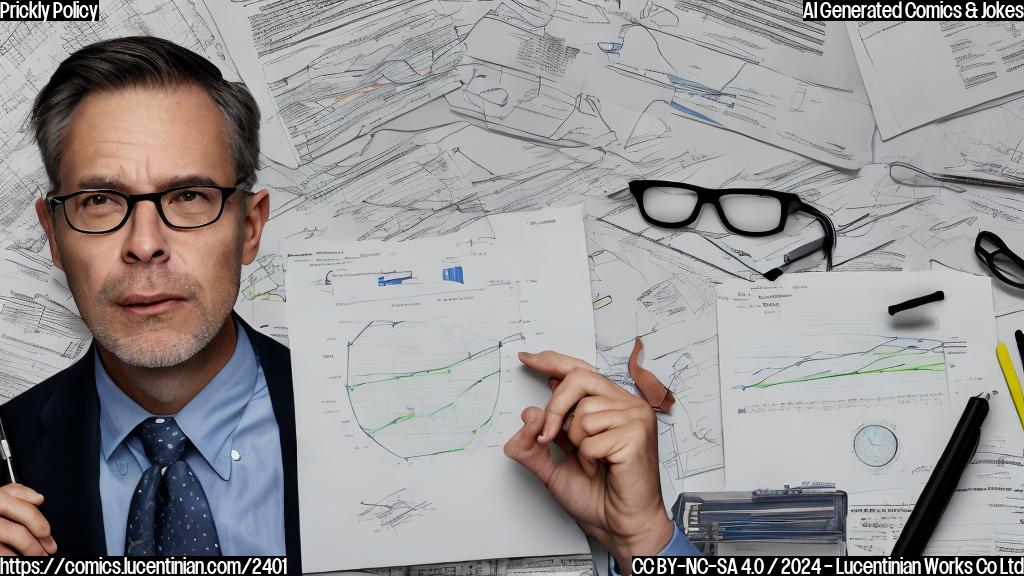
[574, 134]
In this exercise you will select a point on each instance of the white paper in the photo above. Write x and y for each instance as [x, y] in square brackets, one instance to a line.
[986, 144]
[587, 76]
[40, 329]
[917, 72]
[234, 30]
[819, 382]
[724, 91]
[389, 476]
[982, 518]
[337, 72]
[848, 443]
[765, 32]
[768, 33]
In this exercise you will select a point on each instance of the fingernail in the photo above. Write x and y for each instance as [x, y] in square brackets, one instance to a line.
[526, 354]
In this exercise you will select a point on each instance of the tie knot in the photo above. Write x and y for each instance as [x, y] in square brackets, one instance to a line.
[163, 440]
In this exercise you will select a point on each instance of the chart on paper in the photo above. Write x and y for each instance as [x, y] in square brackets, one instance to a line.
[427, 388]
[406, 359]
[425, 359]
[844, 392]
[842, 365]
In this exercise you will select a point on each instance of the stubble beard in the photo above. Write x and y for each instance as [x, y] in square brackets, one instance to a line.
[141, 349]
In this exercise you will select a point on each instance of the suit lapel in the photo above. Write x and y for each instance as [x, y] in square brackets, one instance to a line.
[65, 462]
[276, 362]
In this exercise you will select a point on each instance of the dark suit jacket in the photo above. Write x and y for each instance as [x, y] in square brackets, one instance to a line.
[54, 433]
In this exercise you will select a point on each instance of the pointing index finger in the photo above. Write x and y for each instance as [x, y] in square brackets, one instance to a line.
[553, 364]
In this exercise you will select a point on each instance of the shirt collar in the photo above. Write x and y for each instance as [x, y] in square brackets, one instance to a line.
[209, 419]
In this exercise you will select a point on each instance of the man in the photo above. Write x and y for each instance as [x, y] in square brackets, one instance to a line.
[175, 434]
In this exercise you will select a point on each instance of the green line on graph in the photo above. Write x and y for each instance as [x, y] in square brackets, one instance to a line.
[420, 373]
[411, 415]
[934, 367]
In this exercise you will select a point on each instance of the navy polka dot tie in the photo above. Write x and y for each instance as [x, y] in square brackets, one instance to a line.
[169, 514]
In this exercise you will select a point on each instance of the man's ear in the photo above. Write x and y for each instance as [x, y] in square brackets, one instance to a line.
[257, 213]
[47, 221]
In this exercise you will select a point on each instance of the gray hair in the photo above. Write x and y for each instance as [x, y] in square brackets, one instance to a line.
[142, 62]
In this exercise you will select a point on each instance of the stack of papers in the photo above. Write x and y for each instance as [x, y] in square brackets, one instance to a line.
[918, 72]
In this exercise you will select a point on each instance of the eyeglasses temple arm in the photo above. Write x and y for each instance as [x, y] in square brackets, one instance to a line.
[827, 227]
[978, 181]
[953, 179]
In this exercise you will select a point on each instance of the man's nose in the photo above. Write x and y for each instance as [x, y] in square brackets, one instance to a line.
[147, 235]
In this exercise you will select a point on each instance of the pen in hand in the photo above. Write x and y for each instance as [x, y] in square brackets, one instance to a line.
[5, 454]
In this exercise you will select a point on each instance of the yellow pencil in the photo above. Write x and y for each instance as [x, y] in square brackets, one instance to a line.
[1012, 382]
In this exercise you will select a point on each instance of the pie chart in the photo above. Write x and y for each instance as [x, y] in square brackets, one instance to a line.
[875, 445]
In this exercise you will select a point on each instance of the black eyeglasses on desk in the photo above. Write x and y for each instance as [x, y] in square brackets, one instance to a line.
[751, 212]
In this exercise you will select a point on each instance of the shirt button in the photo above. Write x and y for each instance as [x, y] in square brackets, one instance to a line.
[235, 455]
[122, 466]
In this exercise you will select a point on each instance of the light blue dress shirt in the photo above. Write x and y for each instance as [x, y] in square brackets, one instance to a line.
[236, 455]
[679, 545]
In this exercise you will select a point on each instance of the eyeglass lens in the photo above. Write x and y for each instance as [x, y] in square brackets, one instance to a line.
[1004, 264]
[1009, 269]
[186, 208]
[986, 245]
[748, 212]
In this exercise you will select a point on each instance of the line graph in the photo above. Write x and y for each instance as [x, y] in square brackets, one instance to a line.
[424, 388]
[851, 361]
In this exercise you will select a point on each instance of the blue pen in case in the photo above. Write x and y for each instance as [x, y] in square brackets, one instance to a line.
[805, 520]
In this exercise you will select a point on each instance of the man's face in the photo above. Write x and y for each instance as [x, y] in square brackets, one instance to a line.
[152, 295]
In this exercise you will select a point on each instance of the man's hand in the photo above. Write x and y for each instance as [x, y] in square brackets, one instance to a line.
[23, 529]
[609, 479]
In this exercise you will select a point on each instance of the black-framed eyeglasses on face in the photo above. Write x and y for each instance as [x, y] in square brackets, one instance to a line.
[101, 211]
[1000, 260]
[745, 211]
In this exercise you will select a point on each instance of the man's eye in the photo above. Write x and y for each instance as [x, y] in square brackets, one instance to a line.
[190, 196]
[94, 201]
